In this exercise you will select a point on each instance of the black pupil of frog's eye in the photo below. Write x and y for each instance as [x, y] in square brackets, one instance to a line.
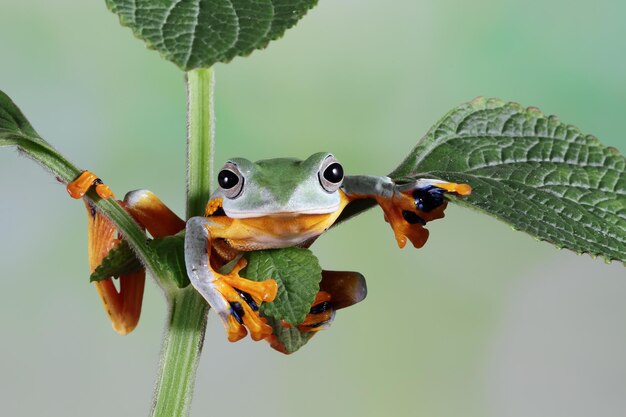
[333, 173]
[227, 179]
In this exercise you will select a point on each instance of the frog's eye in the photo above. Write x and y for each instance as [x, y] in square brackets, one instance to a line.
[230, 180]
[331, 174]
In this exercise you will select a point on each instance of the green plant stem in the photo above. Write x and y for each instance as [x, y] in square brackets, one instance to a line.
[200, 122]
[182, 344]
[184, 333]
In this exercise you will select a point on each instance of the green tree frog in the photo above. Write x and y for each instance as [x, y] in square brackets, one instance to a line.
[268, 204]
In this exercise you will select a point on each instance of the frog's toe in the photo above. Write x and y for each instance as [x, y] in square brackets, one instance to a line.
[260, 291]
[415, 204]
[244, 297]
[338, 289]
[234, 329]
[321, 314]
[428, 198]
[243, 313]
[87, 179]
[428, 194]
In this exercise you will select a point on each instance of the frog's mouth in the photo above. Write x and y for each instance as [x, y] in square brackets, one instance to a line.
[293, 210]
[241, 214]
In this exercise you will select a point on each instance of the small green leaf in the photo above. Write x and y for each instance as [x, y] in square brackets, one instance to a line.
[13, 123]
[120, 260]
[532, 171]
[298, 275]
[170, 253]
[198, 33]
[290, 338]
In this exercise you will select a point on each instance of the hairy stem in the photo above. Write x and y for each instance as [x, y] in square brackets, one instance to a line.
[200, 122]
[182, 344]
[184, 333]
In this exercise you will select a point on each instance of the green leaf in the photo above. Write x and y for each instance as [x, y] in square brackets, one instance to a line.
[298, 275]
[121, 260]
[16, 130]
[170, 253]
[198, 33]
[13, 124]
[541, 176]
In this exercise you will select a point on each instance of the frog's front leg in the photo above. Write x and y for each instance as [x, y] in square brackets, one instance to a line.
[235, 299]
[407, 207]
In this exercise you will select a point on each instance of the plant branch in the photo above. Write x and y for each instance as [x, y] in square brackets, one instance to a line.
[182, 344]
[16, 130]
[184, 334]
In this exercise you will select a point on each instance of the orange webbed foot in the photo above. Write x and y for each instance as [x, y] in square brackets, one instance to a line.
[244, 298]
[77, 188]
[338, 290]
[413, 205]
[320, 315]
[123, 305]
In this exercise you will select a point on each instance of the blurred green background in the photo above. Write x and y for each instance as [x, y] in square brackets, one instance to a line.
[483, 321]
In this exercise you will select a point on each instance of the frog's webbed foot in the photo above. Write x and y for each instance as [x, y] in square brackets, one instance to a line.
[78, 187]
[321, 314]
[338, 289]
[123, 306]
[244, 298]
[407, 207]
[235, 299]
[412, 205]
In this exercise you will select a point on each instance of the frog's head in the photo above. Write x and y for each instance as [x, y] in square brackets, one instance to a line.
[282, 186]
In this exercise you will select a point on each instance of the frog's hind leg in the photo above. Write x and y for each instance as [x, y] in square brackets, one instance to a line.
[321, 314]
[150, 212]
[123, 306]
[338, 289]
[235, 299]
